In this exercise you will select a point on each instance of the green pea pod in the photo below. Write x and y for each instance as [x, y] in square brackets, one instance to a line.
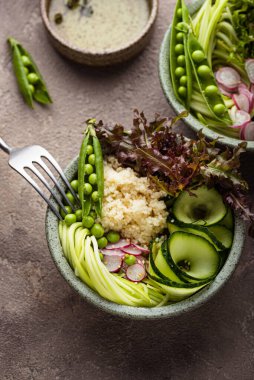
[206, 81]
[84, 200]
[180, 66]
[99, 173]
[19, 70]
[40, 93]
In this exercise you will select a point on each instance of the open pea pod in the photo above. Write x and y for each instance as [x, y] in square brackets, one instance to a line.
[180, 66]
[206, 81]
[24, 65]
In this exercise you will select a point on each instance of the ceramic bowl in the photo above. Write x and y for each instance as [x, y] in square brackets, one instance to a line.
[164, 72]
[107, 57]
[128, 311]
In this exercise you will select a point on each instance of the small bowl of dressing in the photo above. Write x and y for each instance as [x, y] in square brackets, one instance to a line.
[99, 32]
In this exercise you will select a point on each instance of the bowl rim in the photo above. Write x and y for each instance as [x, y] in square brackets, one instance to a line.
[165, 80]
[103, 53]
[173, 310]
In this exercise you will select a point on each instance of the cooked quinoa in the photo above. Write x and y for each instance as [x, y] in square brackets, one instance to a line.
[131, 205]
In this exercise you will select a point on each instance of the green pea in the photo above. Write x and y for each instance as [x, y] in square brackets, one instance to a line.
[26, 70]
[102, 242]
[70, 197]
[181, 60]
[179, 12]
[211, 90]
[219, 109]
[93, 214]
[179, 72]
[89, 149]
[88, 188]
[97, 230]
[181, 25]
[130, 259]
[88, 221]
[179, 49]
[32, 78]
[68, 209]
[74, 185]
[95, 196]
[183, 80]
[179, 36]
[88, 169]
[182, 91]
[31, 88]
[26, 61]
[113, 236]
[78, 214]
[92, 179]
[204, 71]
[91, 159]
[70, 219]
[198, 56]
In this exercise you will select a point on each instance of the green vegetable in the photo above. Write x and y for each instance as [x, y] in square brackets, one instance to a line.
[30, 81]
[179, 61]
[113, 236]
[70, 219]
[88, 169]
[198, 56]
[87, 221]
[68, 209]
[99, 175]
[102, 242]
[130, 259]
[92, 179]
[91, 159]
[89, 149]
[97, 230]
[88, 188]
[78, 214]
[95, 196]
[70, 197]
[85, 201]
[74, 185]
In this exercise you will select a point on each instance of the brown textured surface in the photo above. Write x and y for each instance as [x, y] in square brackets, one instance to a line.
[47, 331]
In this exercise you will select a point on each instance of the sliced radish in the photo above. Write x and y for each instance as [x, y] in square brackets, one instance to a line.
[243, 89]
[136, 272]
[224, 91]
[247, 132]
[141, 260]
[131, 250]
[112, 252]
[145, 250]
[252, 89]
[249, 67]
[112, 263]
[122, 243]
[228, 77]
[242, 102]
[240, 118]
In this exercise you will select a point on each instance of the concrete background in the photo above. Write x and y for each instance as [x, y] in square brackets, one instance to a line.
[46, 330]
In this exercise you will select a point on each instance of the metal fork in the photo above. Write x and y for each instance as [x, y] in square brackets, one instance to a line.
[25, 158]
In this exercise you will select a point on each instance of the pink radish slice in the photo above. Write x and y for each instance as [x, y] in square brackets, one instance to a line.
[120, 244]
[243, 89]
[224, 91]
[131, 250]
[228, 77]
[136, 272]
[141, 260]
[112, 263]
[242, 118]
[112, 252]
[247, 132]
[242, 102]
[249, 67]
[145, 250]
[252, 89]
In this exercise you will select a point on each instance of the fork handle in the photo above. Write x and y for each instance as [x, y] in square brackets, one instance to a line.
[6, 148]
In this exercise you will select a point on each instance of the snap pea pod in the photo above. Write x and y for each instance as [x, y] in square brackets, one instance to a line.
[206, 81]
[29, 78]
[180, 66]
[84, 200]
[99, 174]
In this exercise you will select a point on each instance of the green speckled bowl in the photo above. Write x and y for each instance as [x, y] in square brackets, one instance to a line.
[164, 72]
[128, 311]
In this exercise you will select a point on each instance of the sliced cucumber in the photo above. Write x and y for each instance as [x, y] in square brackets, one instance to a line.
[194, 255]
[205, 207]
[223, 234]
[196, 230]
[164, 270]
[228, 220]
